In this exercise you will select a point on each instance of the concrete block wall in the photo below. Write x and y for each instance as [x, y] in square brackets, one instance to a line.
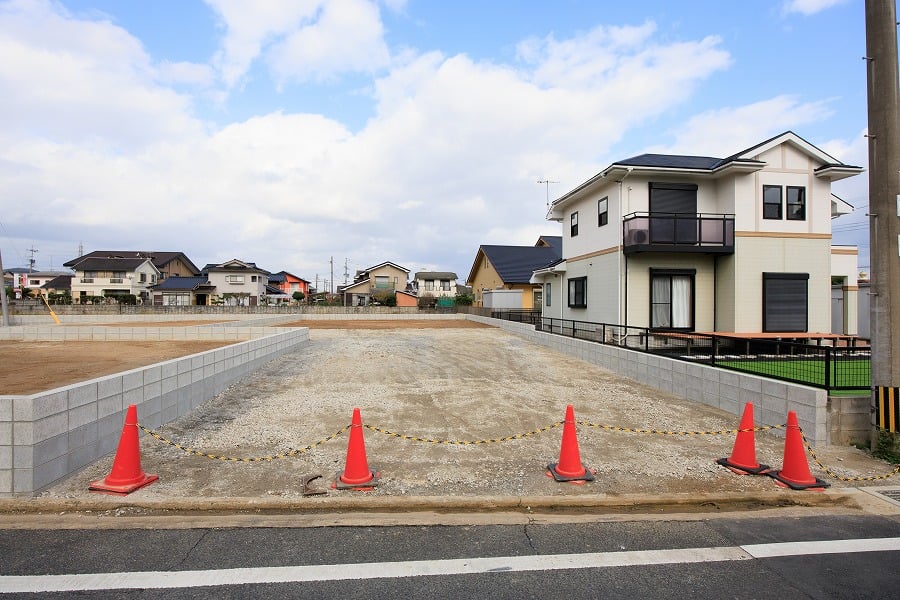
[725, 390]
[46, 436]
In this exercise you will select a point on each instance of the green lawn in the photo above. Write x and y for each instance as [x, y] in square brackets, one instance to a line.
[850, 373]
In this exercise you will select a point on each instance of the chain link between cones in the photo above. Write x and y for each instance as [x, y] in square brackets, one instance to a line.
[518, 436]
[289, 454]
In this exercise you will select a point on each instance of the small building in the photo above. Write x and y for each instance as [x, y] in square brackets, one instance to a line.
[376, 282]
[511, 268]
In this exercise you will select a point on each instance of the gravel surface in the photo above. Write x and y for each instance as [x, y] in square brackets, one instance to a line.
[448, 384]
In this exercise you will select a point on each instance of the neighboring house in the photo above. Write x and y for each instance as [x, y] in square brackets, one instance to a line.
[288, 283]
[435, 284]
[23, 279]
[61, 284]
[183, 291]
[407, 299]
[237, 283]
[511, 268]
[384, 278]
[168, 264]
[109, 277]
[694, 243]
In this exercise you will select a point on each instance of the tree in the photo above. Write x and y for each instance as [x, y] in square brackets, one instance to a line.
[298, 296]
[464, 299]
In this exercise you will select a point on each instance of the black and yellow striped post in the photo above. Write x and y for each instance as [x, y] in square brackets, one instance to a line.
[887, 408]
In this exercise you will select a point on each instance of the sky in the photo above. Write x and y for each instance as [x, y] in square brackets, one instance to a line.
[301, 134]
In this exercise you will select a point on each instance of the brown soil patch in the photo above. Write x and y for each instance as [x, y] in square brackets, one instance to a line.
[29, 367]
[387, 324]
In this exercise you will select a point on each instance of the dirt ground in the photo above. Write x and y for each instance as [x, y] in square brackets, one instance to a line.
[447, 386]
[29, 367]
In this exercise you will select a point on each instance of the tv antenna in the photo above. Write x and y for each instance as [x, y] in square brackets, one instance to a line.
[547, 183]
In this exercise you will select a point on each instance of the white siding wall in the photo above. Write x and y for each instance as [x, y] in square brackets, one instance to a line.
[602, 277]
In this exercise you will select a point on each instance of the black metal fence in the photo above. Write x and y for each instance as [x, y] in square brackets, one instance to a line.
[819, 365]
[532, 317]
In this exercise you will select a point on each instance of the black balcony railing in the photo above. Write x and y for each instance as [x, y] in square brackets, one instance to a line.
[678, 232]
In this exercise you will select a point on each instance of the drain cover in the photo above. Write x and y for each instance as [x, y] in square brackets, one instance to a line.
[892, 494]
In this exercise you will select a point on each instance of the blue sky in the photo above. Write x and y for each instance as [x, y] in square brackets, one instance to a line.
[288, 132]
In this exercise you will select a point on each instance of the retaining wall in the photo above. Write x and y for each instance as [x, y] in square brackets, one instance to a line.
[46, 436]
[726, 390]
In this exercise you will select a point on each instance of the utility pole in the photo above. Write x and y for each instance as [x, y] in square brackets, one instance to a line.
[346, 270]
[3, 299]
[31, 260]
[332, 275]
[884, 194]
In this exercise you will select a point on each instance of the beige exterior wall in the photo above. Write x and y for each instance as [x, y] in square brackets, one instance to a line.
[757, 255]
[638, 294]
[603, 279]
[396, 277]
[178, 268]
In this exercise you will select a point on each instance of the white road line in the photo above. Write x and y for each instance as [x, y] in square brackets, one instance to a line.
[467, 566]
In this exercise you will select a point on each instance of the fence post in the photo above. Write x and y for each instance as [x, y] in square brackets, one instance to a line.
[715, 350]
[828, 368]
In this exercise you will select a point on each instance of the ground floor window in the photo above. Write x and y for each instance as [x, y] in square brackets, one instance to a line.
[176, 299]
[672, 298]
[547, 295]
[785, 302]
[577, 292]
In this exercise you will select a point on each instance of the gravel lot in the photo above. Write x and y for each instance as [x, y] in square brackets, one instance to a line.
[448, 384]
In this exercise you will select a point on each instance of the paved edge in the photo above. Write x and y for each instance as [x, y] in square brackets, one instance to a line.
[359, 502]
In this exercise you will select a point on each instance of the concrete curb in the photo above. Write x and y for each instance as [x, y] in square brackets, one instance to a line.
[359, 503]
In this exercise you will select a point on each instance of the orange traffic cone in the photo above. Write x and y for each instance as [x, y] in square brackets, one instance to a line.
[357, 474]
[743, 457]
[126, 475]
[794, 472]
[569, 467]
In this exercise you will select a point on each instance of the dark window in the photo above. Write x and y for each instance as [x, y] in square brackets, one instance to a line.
[771, 202]
[673, 213]
[577, 291]
[547, 294]
[672, 298]
[796, 203]
[785, 302]
[602, 211]
[574, 224]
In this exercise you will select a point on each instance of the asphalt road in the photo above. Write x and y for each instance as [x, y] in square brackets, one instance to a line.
[745, 556]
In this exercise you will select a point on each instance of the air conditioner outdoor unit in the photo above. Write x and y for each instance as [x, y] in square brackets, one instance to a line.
[637, 236]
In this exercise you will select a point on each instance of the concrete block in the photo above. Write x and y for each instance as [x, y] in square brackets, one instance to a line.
[23, 408]
[135, 396]
[23, 481]
[83, 456]
[132, 380]
[109, 386]
[23, 457]
[82, 415]
[51, 449]
[6, 482]
[109, 406]
[6, 409]
[110, 427]
[168, 384]
[48, 404]
[51, 426]
[83, 436]
[6, 458]
[50, 472]
[83, 393]
[152, 374]
[168, 369]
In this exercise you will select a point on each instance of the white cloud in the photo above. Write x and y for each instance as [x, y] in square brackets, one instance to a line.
[321, 50]
[723, 132]
[299, 40]
[810, 7]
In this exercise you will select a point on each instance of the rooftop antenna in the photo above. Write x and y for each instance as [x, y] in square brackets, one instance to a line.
[547, 183]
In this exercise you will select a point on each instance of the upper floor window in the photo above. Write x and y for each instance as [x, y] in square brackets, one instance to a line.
[771, 202]
[445, 285]
[239, 279]
[602, 211]
[577, 292]
[796, 203]
[253, 278]
[143, 278]
[574, 224]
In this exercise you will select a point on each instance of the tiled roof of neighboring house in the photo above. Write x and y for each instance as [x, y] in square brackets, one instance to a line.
[60, 282]
[233, 265]
[515, 264]
[672, 161]
[110, 264]
[159, 259]
[182, 283]
[271, 290]
[435, 275]
[283, 275]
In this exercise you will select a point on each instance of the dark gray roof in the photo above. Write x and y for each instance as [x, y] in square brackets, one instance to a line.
[60, 282]
[515, 264]
[435, 275]
[671, 161]
[181, 283]
[159, 259]
[554, 241]
[110, 264]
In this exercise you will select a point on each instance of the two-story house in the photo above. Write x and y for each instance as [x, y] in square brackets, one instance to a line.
[382, 279]
[110, 277]
[695, 243]
[509, 269]
[435, 284]
[288, 283]
[236, 282]
[168, 264]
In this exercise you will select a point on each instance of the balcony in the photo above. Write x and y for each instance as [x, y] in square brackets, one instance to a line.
[671, 232]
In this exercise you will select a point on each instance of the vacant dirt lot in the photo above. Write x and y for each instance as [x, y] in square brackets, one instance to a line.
[29, 367]
[446, 385]
[388, 324]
